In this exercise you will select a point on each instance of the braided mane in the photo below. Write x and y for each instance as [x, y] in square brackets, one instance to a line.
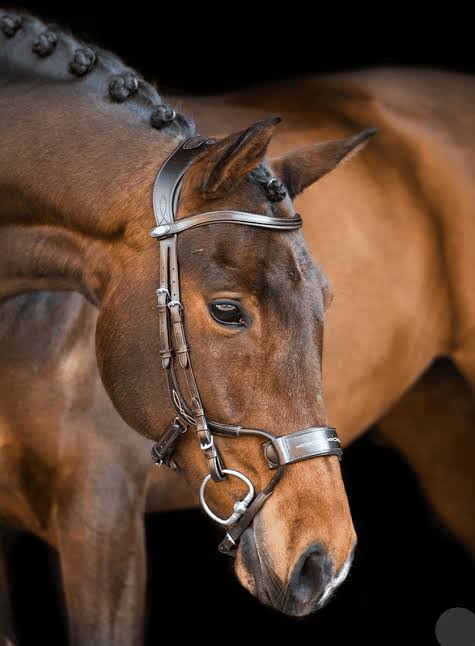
[31, 49]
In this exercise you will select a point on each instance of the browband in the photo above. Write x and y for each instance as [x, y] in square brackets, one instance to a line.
[224, 217]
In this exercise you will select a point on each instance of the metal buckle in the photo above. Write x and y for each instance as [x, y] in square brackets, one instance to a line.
[240, 506]
[163, 290]
[208, 445]
[228, 546]
[174, 304]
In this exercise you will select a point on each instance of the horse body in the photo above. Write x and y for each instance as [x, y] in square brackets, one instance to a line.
[396, 306]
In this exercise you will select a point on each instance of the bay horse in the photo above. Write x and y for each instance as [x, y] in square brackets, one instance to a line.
[82, 140]
[383, 227]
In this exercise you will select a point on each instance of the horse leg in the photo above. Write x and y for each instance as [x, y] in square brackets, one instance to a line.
[101, 547]
[433, 426]
[6, 637]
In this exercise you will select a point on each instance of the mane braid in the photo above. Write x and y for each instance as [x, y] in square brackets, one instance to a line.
[31, 49]
[273, 187]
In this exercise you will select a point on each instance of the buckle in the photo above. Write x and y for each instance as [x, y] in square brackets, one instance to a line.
[208, 445]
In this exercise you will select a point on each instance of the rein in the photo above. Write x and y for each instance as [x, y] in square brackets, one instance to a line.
[279, 451]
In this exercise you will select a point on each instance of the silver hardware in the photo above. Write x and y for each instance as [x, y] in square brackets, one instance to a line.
[179, 422]
[163, 290]
[230, 539]
[175, 304]
[240, 506]
[208, 445]
[160, 231]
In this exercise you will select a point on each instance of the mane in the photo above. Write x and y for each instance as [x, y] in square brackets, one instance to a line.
[33, 50]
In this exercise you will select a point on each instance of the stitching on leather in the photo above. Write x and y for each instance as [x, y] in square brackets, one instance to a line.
[310, 455]
[163, 208]
[312, 429]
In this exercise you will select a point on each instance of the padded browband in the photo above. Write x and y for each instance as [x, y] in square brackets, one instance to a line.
[166, 192]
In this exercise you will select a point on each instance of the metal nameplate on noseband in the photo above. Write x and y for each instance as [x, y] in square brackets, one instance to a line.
[174, 351]
[302, 445]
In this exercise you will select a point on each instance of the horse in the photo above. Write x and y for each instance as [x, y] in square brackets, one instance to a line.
[82, 140]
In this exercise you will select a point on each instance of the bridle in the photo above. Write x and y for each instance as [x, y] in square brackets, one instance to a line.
[175, 355]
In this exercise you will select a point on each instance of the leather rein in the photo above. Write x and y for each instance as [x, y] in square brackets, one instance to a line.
[279, 451]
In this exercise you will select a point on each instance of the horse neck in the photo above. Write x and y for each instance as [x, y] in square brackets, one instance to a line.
[75, 189]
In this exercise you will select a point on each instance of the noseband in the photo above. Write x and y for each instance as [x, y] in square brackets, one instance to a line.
[174, 351]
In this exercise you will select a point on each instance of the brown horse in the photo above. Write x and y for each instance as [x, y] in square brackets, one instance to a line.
[76, 176]
[82, 140]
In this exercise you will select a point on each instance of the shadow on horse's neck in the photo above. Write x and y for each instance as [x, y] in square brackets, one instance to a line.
[76, 169]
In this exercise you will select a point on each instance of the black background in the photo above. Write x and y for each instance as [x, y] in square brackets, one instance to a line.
[407, 569]
[196, 47]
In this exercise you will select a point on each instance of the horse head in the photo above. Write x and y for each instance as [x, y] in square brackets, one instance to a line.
[255, 304]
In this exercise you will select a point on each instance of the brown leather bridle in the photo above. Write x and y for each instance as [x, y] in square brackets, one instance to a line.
[175, 353]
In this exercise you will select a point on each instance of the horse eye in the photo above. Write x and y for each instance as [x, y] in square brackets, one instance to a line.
[226, 313]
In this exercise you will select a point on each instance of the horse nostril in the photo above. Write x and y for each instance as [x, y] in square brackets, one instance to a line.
[311, 575]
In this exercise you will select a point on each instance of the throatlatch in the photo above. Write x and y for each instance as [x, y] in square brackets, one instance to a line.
[174, 351]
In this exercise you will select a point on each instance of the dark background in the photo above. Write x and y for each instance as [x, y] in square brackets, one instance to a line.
[407, 569]
[197, 48]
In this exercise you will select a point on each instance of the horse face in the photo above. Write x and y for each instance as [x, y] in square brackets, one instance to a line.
[254, 303]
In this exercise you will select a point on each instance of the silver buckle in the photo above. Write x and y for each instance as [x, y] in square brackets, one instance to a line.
[208, 445]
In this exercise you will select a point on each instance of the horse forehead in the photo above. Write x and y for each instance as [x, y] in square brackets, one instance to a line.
[271, 265]
[252, 250]
[288, 261]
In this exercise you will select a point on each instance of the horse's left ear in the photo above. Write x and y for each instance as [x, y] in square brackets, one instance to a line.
[228, 161]
[302, 167]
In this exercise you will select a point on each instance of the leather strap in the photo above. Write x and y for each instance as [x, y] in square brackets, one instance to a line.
[229, 543]
[163, 450]
[302, 445]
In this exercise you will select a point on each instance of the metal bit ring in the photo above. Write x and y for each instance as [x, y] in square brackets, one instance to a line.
[240, 506]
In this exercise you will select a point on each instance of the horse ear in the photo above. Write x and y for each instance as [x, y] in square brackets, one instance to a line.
[228, 161]
[302, 167]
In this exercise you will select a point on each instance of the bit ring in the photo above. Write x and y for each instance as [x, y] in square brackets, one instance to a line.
[240, 506]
